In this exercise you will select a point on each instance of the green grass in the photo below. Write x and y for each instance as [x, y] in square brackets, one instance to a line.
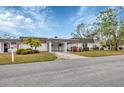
[99, 53]
[5, 58]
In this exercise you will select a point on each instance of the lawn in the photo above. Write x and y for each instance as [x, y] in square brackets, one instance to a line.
[5, 58]
[99, 53]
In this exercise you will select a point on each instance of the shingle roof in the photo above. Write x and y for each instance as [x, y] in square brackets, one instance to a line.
[34, 38]
[2, 39]
[72, 40]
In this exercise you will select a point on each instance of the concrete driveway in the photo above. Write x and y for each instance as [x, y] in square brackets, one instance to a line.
[67, 55]
[93, 72]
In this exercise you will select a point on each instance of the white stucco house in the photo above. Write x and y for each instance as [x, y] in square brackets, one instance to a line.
[49, 44]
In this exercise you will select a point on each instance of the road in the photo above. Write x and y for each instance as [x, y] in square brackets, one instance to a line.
[87, 72]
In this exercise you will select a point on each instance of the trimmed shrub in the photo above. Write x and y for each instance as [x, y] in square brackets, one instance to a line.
[19, 51]
[95, 48]
[101, 48]
[36, 51]
[26, 51]
[29, 49]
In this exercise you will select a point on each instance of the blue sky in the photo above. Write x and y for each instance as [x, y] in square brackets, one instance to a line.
[45, 21]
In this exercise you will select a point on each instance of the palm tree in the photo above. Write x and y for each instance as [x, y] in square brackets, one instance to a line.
[36, 43]
[32, 42]
[29, 41]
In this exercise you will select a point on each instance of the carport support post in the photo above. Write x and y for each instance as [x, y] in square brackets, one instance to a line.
[50, 46]
[65, 46]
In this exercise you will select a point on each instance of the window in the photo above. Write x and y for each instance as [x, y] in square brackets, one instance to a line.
[13, 43]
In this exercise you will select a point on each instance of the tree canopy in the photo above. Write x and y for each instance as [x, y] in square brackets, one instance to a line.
[108, 27]
[84, 31]
[32, 42]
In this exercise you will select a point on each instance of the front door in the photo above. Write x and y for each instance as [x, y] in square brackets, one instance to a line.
[6, 46]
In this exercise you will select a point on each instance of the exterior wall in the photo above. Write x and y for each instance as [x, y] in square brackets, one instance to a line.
[73, 45]
[56, 48]
[91, 45]
[80, 45]
[1, 47]
[44, 47]
[10, 45]
[121, 46]
[13, 45]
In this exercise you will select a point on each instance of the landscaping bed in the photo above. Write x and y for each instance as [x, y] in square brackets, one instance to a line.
[5, 58]
[99, 53]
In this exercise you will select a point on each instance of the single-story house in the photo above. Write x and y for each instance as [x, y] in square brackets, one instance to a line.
[7, 44]
[48, 44]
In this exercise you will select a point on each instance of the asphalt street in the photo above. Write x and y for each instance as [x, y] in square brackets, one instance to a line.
[87, 72]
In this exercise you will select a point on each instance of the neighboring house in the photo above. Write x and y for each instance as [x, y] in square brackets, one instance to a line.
[49, 44]
[7, 44]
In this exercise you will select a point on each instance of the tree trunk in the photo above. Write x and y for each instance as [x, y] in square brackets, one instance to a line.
[35, 48]
[31, 46]
[116, 45]
[115, 42]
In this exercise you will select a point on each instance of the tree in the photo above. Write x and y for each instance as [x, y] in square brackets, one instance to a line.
[121, 33]
[55, 36]
[36, 43]
[84, 31]
[109, 26]
[28, 41]
[32, 42]
[102, 43]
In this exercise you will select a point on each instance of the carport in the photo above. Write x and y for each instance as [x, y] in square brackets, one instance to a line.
[61, 45]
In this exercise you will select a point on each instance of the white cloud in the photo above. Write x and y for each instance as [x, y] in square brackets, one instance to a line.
[19, 17]
[28, 20]
[25, 20]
